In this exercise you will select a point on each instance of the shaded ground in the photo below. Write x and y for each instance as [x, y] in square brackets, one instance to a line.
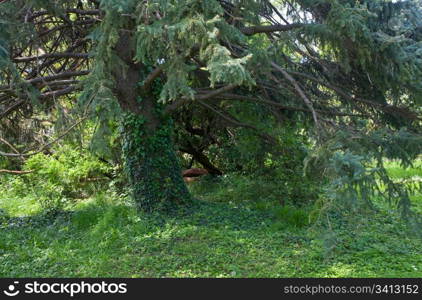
[104, 237]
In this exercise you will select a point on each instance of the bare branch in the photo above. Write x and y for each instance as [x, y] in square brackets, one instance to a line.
[50, 55]
[15, 172]
[26, 154]
[60, 83]
[51, 78]
[9, 145]
[10, 154]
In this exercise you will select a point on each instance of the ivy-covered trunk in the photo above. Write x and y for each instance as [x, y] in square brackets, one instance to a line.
[152, 165]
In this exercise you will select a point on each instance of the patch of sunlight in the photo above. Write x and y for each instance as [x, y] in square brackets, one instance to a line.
[341, 270]
[19, 207]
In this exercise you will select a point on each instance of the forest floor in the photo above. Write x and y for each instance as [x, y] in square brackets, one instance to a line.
[223, 236]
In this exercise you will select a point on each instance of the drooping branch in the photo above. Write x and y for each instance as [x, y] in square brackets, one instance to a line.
[230, 96]
[299, 91]
[183, 100]
[232, 120]
[351, 98]
[201, 158]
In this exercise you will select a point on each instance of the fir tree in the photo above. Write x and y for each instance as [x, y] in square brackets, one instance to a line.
[352, 68]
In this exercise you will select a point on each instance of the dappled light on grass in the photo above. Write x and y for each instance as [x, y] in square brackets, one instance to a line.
[340, 270]
[19, 207]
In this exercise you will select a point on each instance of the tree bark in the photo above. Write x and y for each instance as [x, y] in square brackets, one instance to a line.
[150, 159]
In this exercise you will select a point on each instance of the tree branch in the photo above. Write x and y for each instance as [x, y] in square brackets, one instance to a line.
[228, 96]
[235, 122]
[176, 104]
[26, 154]
[15, 172]
[270, 28]
[50, 55]
[151, 77]
[299, 91]
[59, 93]
[385, 108]
[9, 145]
[51, 78]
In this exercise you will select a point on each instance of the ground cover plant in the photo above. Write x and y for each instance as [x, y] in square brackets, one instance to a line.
[234, 231]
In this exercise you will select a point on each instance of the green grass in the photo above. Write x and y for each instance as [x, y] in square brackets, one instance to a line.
[410, 175]
[222, 236]
[397, 172]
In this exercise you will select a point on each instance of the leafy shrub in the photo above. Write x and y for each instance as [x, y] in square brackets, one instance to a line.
[65, 175]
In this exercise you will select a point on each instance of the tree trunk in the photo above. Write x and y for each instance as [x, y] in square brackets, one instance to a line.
[152, 165]
[150, 159]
